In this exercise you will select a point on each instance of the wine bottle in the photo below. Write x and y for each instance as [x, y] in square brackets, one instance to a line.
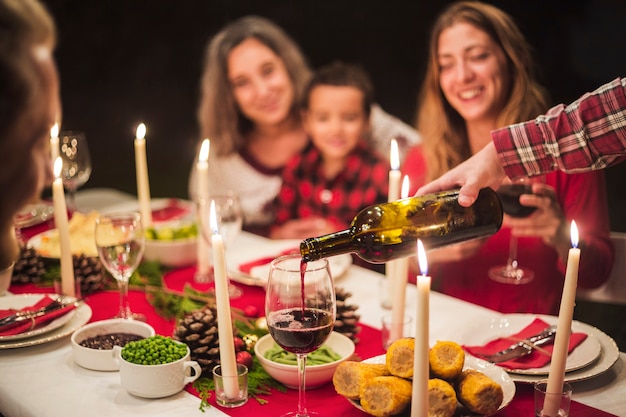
[389, 231]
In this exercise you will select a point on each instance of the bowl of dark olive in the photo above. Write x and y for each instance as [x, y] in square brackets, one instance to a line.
[92, 344]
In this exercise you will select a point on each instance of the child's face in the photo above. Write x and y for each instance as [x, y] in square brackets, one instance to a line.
[335, 119]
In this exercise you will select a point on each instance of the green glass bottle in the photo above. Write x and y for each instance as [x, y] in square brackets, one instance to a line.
[389, 231]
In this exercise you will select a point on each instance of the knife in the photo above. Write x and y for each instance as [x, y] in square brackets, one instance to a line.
[21, 316]
[524, 347]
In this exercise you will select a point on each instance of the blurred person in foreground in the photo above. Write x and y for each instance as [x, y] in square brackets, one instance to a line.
[586, 135]
[479, 78]
[252, 86]
[29, 106]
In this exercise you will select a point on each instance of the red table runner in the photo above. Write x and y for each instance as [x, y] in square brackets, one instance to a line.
[105, 305]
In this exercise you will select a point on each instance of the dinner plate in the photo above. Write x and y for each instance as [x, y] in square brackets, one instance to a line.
[24, 300]
[594, 355]
[82, 315]
[494, 372]
[33, 214]
[184, 209]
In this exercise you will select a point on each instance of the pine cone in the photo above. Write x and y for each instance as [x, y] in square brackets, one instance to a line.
[89, 272]
[28, 268]
[198, 330]
[347, 319]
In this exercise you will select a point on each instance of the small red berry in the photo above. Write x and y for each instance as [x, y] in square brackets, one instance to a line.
[244, 358]
[239, 344]
[251, 311]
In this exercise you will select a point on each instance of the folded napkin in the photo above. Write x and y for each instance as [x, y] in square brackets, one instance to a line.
[536, 359]
[247, 266]
[173, 210]
[28, 325]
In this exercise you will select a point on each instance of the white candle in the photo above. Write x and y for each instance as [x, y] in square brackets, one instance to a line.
[224, 322]
[141, 169]
[400, 272]
[54, 142]
[556, 374]
[202, 192]
[60, 219]
[419, 399]
[393, 194]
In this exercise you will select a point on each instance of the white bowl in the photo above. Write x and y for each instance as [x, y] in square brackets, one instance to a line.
[316, 375]
[173, 253]
[103, 360]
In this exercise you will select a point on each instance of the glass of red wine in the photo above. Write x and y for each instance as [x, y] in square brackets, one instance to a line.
[512, 273]
[300, 308]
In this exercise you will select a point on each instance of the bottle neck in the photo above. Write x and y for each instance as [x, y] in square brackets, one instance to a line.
[315, 248]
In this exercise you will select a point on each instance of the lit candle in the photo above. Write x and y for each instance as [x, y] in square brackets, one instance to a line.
[224, 323]
[399, 281]
[54, 142]
[419, 399]
[60, 219]
[395, 177]
[556, 374]
[202, 168]
[141, 169]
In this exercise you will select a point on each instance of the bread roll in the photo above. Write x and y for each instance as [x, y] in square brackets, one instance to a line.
[446, 360]
[350, 376]
[399, 357]
[385, 396]
[479, 393]
[441, 398]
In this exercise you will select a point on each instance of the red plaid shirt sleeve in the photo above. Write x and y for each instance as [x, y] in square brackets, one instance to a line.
[588, 134]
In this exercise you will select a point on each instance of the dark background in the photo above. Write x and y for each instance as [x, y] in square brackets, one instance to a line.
[127, 61]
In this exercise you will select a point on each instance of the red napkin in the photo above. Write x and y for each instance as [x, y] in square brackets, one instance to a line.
[174, 210]
[28, 325]
[536, 359]
[247, 267]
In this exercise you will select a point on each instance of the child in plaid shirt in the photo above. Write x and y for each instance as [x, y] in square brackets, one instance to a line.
[339, 173]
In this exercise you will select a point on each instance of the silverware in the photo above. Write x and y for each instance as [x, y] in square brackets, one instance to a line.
[524, 347]
[57, 304]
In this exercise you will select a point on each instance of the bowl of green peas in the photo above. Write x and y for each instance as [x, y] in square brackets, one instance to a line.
[155, 367]
[320, 365]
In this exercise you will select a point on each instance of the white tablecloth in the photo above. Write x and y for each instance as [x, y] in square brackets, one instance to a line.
[44, 381]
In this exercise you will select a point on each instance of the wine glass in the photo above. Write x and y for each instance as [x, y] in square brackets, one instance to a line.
[509, 194]
[300, 308]
[229, 219]
[120, 243]
[74, 152]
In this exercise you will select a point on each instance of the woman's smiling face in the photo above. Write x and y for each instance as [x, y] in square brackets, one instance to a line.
[473, 72]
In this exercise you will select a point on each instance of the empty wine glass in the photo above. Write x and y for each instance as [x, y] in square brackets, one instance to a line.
[229, 219]
[300, 307]
[120, 243]
[509, 194]
[74, 152]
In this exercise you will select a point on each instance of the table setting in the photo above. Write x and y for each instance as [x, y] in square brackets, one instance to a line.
[228, 277]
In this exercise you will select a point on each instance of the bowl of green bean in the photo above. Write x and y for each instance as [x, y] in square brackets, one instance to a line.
[320, 365]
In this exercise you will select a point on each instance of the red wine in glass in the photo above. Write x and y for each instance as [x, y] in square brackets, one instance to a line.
[300, 330]
[509, 195]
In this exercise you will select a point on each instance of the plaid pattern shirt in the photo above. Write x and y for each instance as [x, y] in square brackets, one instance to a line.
[306, 192]
[588, 134]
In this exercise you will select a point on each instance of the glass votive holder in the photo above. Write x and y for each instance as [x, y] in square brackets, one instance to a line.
[390, 334]
[559, 401]
[384, 291]
[223, 384]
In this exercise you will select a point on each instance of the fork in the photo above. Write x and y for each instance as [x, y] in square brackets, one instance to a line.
[19, 316]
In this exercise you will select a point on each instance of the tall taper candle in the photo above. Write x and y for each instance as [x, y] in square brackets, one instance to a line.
[398, 284]
[419, 399]
[556, 373]
[202, 168]
[395, 176]
[141, 170]
[68, 286]
[224, 321]
[54, 142]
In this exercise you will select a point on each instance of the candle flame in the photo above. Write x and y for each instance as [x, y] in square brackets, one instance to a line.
[213, 218]
[421, 257]
[58, 166]
[574, 234]
[141, 131]
[394, 158]
[405, 187]
[204, 151]
[54, 131]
